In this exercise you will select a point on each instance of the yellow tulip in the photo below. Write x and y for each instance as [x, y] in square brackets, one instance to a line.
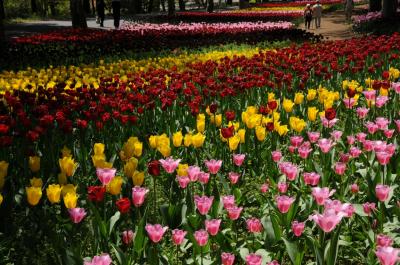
[328, 104]
[98, 160]
[260, 133]
[164, 149]
[36, 182]
[53, 192]
[201, 117]
[138, 149]
[282, 129]
[65, 152]
[312, 93]
[182, 170]
[245, 117]
[1, 199]
[98, 148]
[287, 105]
[216, 119]
[297, 124]
[271, 96]
[236, 125]
[201, 125]
[33, 195]
[34, 163]
[138, 178]
[153, 141]
[114, 187]
[3, 173]
[253, 121]
[383, 92]
[234, 142]
[198, 140]
[251, 110]
[132, 147]
[312, 113]
[242, 133]
[130, 167]
[298, 98]
[68, 165]
[69, 188]
[70, 200]
[177, 139]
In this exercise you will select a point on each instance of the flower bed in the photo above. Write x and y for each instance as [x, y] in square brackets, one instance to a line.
[272, 159]
[299, 3]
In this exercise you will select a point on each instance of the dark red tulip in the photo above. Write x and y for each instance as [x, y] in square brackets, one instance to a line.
[153, 167]
[96, 193]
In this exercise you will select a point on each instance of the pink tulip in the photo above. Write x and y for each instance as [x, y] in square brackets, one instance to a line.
[355, 152]
[296, 140]
[354, 188]
[204, 177]
[368, 207]
[379, 146]
[371, 127]
[127, 236]
[213, 165]
[227, 258]
[253, 259]
[347, 209]
[291, 172]
[388, 133]
[328, 123]
[387, 255]
[396, 87]
[156, 232]
[178, 236]
[203, 203]
[368, 145]
[276, 155]
[382, 123]
[383, 157]
[344, 157]
[328, 220]
[282, 187]
[369, 94]
[274, 262]
[193, 173]
[384, 240]
[183, 181]
[201, 237]
[212, 226]
[381, 101]
[313, 136]
[169, 164]
[397, 122]
[362, 112]
[284, 202]
[292, 149]
[340, 168]
[304, 151]
[349, 102]
[234, 212]
[361, 137]
[390, 148]
[233, 177]
[103, 259]
[228, 201]
[298, 228]
[321, 194]
[336, 135]
[238, 160]
[138, 195]
[325, 145]
[76, 214]
[254, 225]
[105, 175]
[351, 139]
[311, 178]
[264, 188]
[382, 192]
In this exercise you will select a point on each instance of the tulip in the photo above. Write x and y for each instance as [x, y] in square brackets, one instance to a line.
[204, 177]
[1, 199]
[298, 228]
[138, 195]
[169, 164]
[234, 212]
[177, 139]
[127, 236]
[260, 133]
[283, 187]
[296, 140]
[264, 188]
[284, 202]
[178, 236]
[228, 201]
[254, 225]
[387, 255]
[36, 182]
[96, 193]
[274, 262]
[213, 165]
[201, 237]
[276, 155]
[76, 214]
[70, 200]
[233, 177]
[325, 145]
[238, 159]
[336, 135]
[382, 192]
[313, 136]
[3, 173]
[123, 205]
[193, 173]
[297, 124]
[383, 157]
[253, 259]
[130, 167]
[312, 113]
[227, 258]
[371, 127]
[103, 259]
[198, 140]
[340, 168]
[53, 193]
[321, 194]
[354, 188]
[328, 220]
[33, 195]
[384, 240]
[155, 232]
[153, 168]
[388, 133]
[68, 166]
[311, 178]
[114, 187]
[380, 101]
[369, 207]
[234, 142]
[183, 181]
[362, 112]
[361, 137]
[212, 226]
[203, 203]
[304, 151]
[228, 132]
[34, 163]
[287, 105]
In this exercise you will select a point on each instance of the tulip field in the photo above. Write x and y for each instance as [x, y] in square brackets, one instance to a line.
[253, 155]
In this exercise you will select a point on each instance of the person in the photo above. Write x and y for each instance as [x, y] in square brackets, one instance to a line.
[317, 12]
[100, 6]
[308, 14]
[116, 7]
[349, 9]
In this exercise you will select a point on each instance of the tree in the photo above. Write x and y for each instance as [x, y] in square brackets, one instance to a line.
[375, 5]
[78, 14]
[210, 6]
[171, 7]
[389, 8]
[33, 6]
[182, 4]
[2, 17]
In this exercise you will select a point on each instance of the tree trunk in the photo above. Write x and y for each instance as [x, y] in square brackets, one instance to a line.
[210, 6]
[52, 4]
[242, 4]
[375, 5]
[171, 7]
[86, 6]
[389, 8]
[182, 5]
[78, 14]
[33, 6]
[2, 17]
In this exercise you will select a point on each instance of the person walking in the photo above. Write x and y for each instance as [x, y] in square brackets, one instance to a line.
[349, 9]
[308, 15]
[116, 7]
[100, 6]
[317, 12]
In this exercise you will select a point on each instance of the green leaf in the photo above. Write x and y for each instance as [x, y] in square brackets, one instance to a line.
[140, 237]
[333, 247]
[119, 254]
[293, 250]
[243, 253]
[113, 220]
